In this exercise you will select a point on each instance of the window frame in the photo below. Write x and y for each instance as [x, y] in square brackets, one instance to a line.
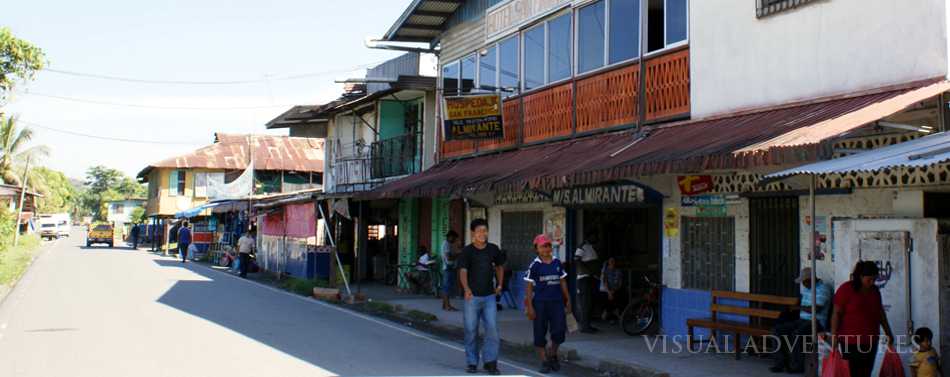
[478, 71]
[570, 13]
[458, 78]
[475, 82]
[577, 37]
[666, 47]
[542, 24]
[182, 183]
[517, 89]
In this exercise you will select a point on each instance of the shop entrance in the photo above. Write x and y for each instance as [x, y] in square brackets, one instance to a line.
[774, 245]
[630, 235]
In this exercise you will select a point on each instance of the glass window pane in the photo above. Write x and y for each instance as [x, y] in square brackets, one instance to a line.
[534, 58]
[559, 48]
[468, 73]
[624, 30]
[508, 54]
[450, 79]
[676, 11]
[487, 69]
[590, 37]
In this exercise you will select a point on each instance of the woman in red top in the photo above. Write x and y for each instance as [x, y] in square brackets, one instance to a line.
[857, 319]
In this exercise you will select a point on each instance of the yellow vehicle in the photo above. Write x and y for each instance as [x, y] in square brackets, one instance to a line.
[102, 233]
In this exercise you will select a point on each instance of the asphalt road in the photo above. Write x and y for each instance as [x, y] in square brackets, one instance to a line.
[117, 312]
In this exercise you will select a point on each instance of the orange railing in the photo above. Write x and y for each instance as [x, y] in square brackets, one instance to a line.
[608, 100]
[667, 85]
[592, 103]
[547, 114]
[511, 119]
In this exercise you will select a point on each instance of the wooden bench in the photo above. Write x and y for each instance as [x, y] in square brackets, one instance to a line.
[760, 317]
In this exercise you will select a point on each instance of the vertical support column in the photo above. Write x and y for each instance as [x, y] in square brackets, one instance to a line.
[408, 235]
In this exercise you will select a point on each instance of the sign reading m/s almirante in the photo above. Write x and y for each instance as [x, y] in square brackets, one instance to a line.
[599, 195]
[473, 117]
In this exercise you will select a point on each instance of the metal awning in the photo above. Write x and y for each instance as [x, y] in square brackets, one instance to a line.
[423, 21]
[926, 151]
[194, 212]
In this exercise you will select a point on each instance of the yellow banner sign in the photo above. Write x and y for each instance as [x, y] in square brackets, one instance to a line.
[473, 117]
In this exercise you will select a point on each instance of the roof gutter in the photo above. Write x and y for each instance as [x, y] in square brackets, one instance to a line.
[378, 45]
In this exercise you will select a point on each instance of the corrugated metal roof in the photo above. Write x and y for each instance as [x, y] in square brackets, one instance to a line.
[271, 152]
[717, 143]
[422, 21]
[928, 150]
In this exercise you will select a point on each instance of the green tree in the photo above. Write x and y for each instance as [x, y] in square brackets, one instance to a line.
[14, 151]
[138, 215]
[105, 184]
[19, 59]
[59, 195]
[100, 179]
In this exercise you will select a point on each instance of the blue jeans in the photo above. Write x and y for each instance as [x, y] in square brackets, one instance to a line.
[448, 281]
[183, 250]
[481, 310]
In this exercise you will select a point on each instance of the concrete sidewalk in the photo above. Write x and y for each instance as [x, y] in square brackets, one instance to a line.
[608, 350]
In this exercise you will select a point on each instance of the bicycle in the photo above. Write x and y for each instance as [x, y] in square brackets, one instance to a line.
[642, 314]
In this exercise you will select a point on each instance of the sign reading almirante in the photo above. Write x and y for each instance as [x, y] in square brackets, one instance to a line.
[620, 194]
[473, 117]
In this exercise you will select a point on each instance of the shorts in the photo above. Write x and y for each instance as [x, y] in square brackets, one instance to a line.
[549, 318]
[448, 280]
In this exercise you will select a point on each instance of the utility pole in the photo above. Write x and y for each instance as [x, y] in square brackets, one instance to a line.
[26, 172]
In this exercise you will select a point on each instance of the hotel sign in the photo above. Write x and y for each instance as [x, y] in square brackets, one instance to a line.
[475, 117]
[512, 14]
[599, 195]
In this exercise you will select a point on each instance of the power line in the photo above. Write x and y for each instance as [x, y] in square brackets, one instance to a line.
[119, 139]
[200, 82]
[107, 103]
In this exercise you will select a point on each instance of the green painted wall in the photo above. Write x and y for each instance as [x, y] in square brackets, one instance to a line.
[440, 222]
[408, 235]
[392, 119]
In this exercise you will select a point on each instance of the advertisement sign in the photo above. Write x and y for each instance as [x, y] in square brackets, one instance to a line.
[474, 117]
[671, 222]
[619, 194]
[702, 200]
[694, 184]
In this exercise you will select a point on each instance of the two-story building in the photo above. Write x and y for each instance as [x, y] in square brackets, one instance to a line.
[645, 127]
[120, 213]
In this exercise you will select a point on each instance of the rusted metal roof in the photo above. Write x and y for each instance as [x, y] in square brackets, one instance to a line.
[271, 152]
[718, 143]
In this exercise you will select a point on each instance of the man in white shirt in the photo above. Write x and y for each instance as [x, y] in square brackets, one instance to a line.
[586, 261]
[246, 245]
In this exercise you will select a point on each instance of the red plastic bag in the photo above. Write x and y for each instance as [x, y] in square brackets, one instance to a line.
[835, 366]
[891, 366]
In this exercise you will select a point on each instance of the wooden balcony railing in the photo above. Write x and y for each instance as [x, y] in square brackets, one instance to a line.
[548, 113]
[667, 85]
[591, 103]
[608, 100]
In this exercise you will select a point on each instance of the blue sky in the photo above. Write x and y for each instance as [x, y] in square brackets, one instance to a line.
[177, 40]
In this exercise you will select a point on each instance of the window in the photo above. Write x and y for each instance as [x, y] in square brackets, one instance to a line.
[488, 69]
[766, 7]
[708, 253]
[508, 77]
[591, 22]
[119, 209]
[559, 48]
[534, 58]
[450, 79]
[173, 183]
[201, 185]
[468, 73]
[624, 30]
[181, 182]
[667, 23]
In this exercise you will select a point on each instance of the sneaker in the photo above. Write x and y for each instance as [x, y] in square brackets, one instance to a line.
[554, 363]
[471, 369]
[545, 368]
[492, 368]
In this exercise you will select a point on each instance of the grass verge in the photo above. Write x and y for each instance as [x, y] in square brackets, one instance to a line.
[15, 260]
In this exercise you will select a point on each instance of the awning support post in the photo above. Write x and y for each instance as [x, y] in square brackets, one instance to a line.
[346, 282]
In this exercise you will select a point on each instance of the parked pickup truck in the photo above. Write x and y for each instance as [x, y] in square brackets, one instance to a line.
[102, 233]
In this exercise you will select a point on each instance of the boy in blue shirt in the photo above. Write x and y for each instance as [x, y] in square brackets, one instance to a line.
[547, 302]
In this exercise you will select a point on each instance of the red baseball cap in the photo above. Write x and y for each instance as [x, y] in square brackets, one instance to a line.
[542, 239]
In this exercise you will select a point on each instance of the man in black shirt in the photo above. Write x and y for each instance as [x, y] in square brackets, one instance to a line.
[481, 272]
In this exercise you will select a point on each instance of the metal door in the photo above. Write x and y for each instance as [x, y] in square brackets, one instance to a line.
[709, 253]
[774, 245]
[517, 233]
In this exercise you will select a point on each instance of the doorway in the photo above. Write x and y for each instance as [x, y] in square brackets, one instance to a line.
[774, 245]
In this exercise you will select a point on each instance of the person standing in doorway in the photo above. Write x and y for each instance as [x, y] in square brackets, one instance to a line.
[586, 260]
[481, 272]
[449, 254]
[184, 240]
[547, 303]
[246, 246]
[857, 319]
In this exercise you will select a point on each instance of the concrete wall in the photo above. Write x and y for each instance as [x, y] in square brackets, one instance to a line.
[823, 48]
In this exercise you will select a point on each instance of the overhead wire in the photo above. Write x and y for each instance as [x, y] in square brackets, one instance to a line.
[159, 107]
[110, 138]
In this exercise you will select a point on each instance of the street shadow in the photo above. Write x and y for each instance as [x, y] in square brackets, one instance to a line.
[316, 334]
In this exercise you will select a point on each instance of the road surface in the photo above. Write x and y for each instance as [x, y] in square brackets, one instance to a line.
[117, 312]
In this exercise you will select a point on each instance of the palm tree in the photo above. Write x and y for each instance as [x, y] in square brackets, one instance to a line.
[14, 151]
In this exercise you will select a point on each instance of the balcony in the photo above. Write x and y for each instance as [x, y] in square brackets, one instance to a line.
[394, 157]
[591, 103]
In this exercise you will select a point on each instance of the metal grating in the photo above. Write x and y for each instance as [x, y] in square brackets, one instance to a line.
[517, 232]
[774, 245]
[709, 253]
